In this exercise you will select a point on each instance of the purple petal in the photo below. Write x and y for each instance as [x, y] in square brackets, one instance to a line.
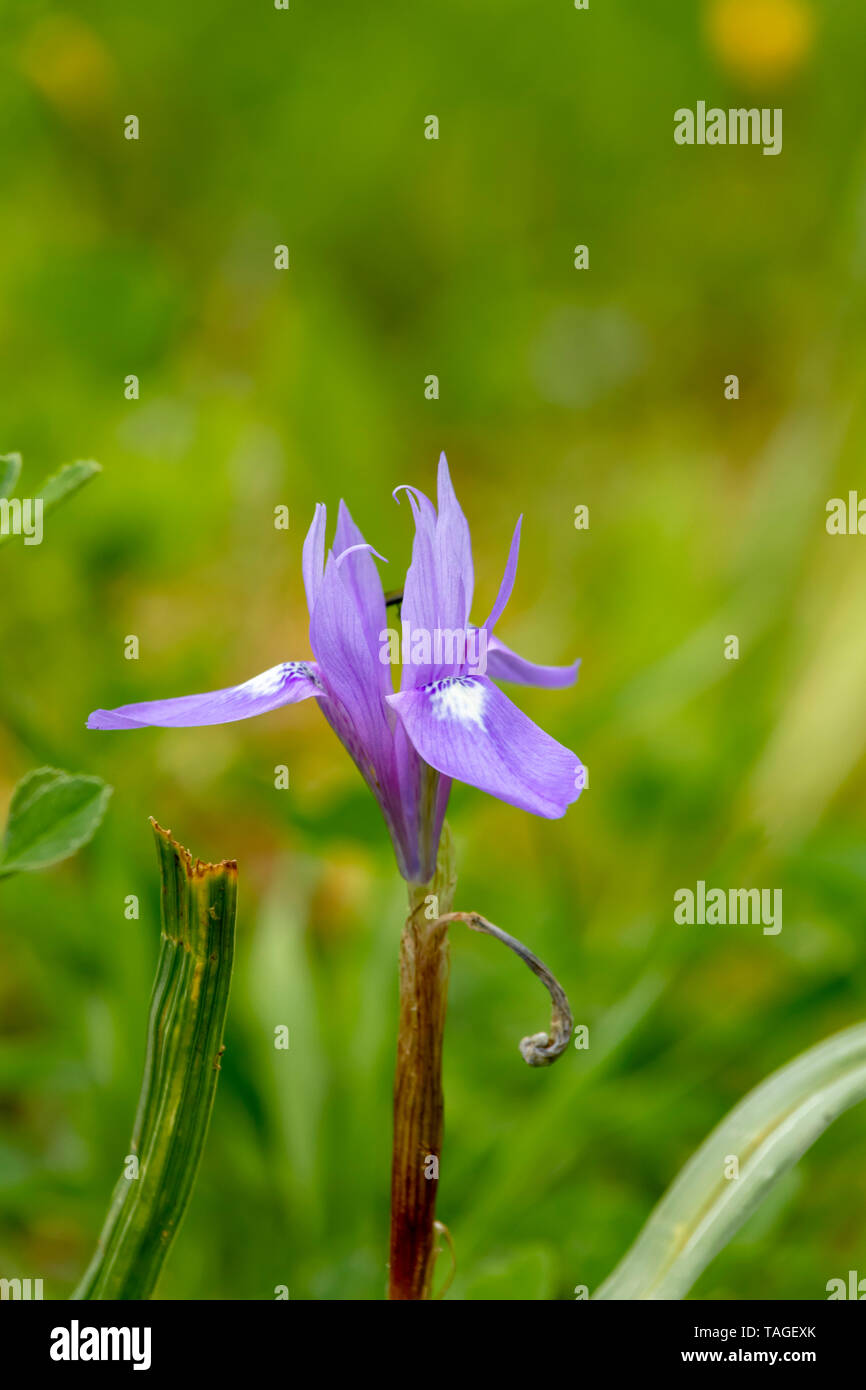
[420, 606]
[360, 577]
[439, 585]
[505, 665]
[351, 673]
[281, 685]
[457, 575]
[357, 712]
[313, 562]
[424, 798]
[508, 579]
[467, 729]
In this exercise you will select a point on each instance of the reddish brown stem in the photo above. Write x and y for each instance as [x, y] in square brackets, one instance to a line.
[418, 1106]
[418, 1102]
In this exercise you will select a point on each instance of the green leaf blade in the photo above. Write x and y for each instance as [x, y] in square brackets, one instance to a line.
[182, 1061]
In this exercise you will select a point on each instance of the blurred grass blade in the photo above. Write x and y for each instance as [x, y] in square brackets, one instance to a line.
[54, 490]
[10, 470]
[184, 1046]
[767, 1133]
[51, 815]
[66, 481]
[282, 988]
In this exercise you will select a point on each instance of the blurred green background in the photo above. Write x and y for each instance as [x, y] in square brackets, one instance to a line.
[558, 387]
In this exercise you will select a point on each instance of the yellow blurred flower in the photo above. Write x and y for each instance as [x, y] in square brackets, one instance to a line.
[761, 40]
[68, 62]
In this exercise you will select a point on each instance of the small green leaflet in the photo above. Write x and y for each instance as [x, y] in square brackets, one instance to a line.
[51, 815]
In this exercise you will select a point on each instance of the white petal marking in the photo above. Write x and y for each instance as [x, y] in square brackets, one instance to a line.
[458, 698]
[269, 682]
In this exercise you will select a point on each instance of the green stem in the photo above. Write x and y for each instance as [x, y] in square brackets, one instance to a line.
[182, 1060]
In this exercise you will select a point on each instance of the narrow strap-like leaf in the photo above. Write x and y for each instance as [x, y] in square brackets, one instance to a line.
[182, 1061]
[735, 1168]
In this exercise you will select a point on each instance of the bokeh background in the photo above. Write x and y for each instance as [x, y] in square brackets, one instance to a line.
[558, 388]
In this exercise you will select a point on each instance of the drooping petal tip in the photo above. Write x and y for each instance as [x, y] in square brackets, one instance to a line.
[354, 549]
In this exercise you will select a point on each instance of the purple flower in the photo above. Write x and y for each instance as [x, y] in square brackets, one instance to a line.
[448, 720]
